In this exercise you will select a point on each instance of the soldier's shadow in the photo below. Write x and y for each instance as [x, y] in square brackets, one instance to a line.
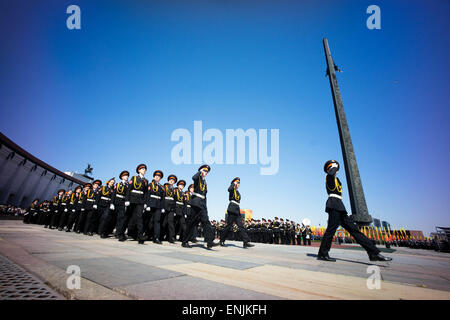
[352, 261]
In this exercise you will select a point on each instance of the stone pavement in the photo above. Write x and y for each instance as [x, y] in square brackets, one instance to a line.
[125, 270]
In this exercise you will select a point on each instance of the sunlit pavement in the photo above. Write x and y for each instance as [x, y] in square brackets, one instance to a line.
[111, 269]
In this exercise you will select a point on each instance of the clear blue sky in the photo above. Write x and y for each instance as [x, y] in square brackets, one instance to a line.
[112, 93]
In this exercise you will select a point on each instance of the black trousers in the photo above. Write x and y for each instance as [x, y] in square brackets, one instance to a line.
[55, 218]
[180, 221]
[137, 219]
[64, 218]
[232, 218]
[72, 219]
[199, 214]
[154, 224]
[123, 216]
[168, 223]
[105, 215]
[91, 220]
[337, 218]
[79, 226]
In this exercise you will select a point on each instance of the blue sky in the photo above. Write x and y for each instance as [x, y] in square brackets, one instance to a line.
[112, 93]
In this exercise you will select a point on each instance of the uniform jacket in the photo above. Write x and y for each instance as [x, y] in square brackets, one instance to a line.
[137, 190]
[334, 186]
[155, 195]
[234, 195]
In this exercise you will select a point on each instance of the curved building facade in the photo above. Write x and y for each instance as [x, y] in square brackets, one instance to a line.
[24, 177]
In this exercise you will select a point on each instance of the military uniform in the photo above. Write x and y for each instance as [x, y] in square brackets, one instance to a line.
[104, 201]
[74, 208]
[90, 207]
[199, 211]
[155, 200]
[337, 215]
[180, 216]
[234, 214]
[58, 209]
[122, 212]
[81, 207]
[276, 227]
[136, 196]
[169, 210]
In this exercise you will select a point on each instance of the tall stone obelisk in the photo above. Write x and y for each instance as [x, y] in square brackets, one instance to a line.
[358, 204]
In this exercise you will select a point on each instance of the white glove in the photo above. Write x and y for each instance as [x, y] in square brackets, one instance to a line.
[148, 208]
[73, 210]
[185, 216]
[174, 214]
[56, 211]
[65, 210]
[127, 203]
[82, 209]
[111, 206]
[145, 206]
[94, 206]
[162, 210]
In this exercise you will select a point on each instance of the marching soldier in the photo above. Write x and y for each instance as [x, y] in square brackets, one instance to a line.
[180, 217]
[32, 211]
[81, 206]
[105, 206]
[276, 230]
[270, 231]
[58, 208]
[90, 207]
[118, 204]
[187, 201]
[136, 197]
[155, 201]
[169, 208]
[337, 215]
[66, 211]
[74, 209]
[199, 211]
[234, 214]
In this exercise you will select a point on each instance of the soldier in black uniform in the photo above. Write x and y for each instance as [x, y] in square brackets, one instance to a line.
[105, 206]
[234, 214]
[270, 231]
[292, 232]
[155, 200]
[118, 205]
[81, 206]
[169, 208]
[136, 198]
[276, 227]
[65, 202]
[31, 212]
[74, 211]
[187, 201]
[180, 217]
[199, 211]
[337, 215]
[90, 207]
[58, 208]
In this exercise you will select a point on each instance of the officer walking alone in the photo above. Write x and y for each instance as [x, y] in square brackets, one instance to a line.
[337, 215]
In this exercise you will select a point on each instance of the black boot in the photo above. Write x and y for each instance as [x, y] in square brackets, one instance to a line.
[122, 238]
[212, 244]
[157, 241]
[379, 257]
[248, 245]
[186, 245]
[222, 243]
[325, 258]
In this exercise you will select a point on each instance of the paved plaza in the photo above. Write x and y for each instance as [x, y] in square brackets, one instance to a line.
[125, 270]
